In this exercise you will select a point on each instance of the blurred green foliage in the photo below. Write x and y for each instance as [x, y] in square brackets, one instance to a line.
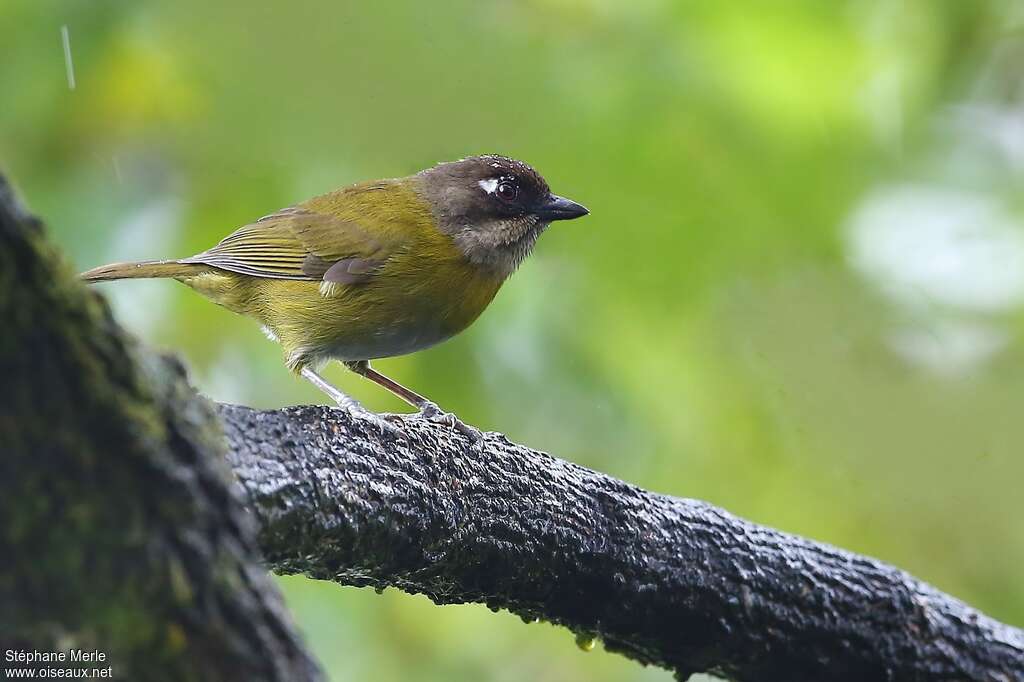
[798, 297]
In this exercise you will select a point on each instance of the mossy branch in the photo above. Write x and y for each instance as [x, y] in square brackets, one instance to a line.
[121, 529]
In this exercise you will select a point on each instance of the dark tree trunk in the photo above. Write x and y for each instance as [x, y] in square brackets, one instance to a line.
[120, 527]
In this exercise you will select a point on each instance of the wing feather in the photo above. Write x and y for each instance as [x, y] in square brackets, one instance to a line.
[301, 244]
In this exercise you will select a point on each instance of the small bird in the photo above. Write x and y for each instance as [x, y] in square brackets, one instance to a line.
[377, 269]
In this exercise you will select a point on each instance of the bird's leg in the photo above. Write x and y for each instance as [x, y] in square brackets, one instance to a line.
[337, 395]
[344, 400]
[428, 409]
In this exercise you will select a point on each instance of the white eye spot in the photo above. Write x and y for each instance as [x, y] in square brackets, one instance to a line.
[489, 185]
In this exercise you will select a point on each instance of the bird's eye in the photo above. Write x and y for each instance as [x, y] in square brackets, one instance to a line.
[507, 191]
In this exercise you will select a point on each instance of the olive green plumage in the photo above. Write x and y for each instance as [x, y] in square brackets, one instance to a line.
[377, 269]
[416, 289]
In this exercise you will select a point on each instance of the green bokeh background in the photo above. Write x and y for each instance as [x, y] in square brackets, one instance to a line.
[798, 296]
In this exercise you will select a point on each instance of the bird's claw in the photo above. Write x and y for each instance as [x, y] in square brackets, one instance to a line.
[431, 412]
[382, 423]
[360, 413]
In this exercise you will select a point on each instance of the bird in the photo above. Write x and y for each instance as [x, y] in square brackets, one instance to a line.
[376, 269]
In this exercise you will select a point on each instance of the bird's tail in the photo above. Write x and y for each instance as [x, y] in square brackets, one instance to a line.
[144, 269]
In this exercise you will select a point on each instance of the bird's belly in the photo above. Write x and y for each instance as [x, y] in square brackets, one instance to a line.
[384, 318]
[385, 341]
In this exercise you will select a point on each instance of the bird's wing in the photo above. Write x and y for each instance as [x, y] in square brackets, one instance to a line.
[303, 244]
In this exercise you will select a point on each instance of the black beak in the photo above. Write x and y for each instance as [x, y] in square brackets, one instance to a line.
[560, 208]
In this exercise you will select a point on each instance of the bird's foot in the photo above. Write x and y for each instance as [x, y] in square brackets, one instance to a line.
[382, 424]
[431, 412]
[360, 413]
[350, 404]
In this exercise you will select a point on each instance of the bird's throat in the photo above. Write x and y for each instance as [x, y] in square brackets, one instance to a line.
[498, 251]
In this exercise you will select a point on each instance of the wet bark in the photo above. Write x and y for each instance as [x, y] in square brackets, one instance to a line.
[671, 582]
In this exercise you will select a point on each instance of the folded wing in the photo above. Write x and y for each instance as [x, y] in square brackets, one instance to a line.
[301, 244]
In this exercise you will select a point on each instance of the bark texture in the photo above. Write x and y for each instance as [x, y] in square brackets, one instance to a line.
[671, 582]
[121, 529]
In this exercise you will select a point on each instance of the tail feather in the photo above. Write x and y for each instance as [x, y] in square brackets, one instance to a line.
[148, 268]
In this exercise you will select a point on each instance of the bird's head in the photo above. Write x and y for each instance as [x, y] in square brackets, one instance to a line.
[493, 207]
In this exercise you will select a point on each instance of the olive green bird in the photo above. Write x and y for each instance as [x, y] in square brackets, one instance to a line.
[375, 270]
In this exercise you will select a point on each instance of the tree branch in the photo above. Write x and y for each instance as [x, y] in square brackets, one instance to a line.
[666, 581]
